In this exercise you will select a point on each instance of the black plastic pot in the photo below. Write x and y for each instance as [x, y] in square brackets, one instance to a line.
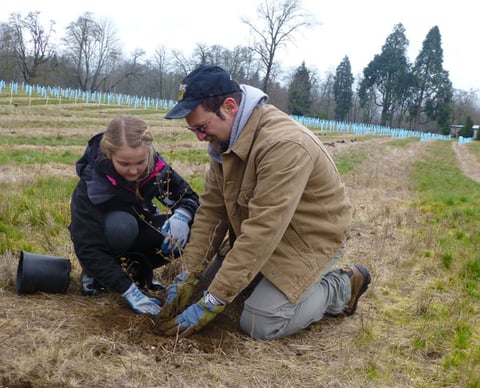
[42, 273]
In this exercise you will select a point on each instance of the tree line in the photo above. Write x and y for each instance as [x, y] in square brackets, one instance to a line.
[391, 91]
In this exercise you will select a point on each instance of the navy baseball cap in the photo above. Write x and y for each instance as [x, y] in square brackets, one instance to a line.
[203, 82]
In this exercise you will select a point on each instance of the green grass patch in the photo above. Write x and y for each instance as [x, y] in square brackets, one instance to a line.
[197, 182]
[58, 140]
[33, 214]
[449, 203]
[474, 148]
[31, 156]
[348, 162]
[403, 142]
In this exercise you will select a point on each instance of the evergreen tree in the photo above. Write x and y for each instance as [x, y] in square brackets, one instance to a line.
[387, 76]
[433, 89]
[467, 130]
[342, 89]
[300, 92]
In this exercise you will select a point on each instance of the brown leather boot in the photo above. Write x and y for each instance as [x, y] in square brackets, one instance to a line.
[359, 279]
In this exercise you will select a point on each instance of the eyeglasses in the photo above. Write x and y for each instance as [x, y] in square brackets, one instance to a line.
[200, 128]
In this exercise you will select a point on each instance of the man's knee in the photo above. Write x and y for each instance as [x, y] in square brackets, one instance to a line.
[251, 326]
[262, 327]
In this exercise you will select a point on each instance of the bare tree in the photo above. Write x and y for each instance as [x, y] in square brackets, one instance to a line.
[326, 97]
[8, 68]
[282, 20]
[92, 48]
[239, 62]
[465, 103]
[160, 66]
[183, 64]
[30, 43]
[127, 73]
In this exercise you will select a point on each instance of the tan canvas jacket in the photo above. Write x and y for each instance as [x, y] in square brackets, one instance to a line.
[281, 197]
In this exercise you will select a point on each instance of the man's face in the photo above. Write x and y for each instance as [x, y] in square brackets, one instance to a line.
[208, 126]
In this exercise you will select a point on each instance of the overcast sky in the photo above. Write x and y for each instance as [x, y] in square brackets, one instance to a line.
[354, 28]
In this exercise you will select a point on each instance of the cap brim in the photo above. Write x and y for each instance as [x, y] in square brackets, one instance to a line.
[182, 109]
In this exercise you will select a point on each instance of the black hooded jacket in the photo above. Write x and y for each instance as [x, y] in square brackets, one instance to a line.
[100, 190]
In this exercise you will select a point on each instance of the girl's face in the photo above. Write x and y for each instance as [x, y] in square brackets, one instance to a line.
[130, 163]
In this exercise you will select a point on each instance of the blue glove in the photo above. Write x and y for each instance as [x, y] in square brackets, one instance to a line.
[178, 295]
[175, 231]
[194, 317]
[140, 303]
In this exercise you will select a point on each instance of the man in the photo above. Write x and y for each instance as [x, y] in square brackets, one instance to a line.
[273, 187]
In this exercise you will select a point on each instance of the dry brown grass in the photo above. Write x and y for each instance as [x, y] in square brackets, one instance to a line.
[74, 341]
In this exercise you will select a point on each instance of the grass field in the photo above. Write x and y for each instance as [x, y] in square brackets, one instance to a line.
[416, 227]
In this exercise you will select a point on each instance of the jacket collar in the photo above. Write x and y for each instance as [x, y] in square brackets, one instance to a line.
[242, 146]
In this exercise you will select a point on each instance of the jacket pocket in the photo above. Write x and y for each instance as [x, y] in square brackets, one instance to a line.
[243, 199]
[296, 241]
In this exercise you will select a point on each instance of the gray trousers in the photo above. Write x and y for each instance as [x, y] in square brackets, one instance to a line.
[268, 314]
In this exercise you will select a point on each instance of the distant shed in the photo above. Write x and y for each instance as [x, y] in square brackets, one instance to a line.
[454, 128]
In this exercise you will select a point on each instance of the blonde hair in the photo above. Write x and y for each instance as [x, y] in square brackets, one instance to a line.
[130, 131]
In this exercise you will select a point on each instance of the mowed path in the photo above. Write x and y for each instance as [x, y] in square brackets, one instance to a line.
[467, 161]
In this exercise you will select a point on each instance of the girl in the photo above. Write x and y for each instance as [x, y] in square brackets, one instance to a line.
[119, 235]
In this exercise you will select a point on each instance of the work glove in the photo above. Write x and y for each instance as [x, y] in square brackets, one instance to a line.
[178, 295]
[175, 231]
[140, 303]
[194, 317]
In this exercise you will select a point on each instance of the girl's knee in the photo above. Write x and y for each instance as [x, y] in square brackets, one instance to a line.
[121, 230]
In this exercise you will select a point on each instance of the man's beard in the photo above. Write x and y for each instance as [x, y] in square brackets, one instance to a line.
[219, 147]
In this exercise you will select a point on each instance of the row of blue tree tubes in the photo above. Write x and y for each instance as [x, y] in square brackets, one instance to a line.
[136, 102]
